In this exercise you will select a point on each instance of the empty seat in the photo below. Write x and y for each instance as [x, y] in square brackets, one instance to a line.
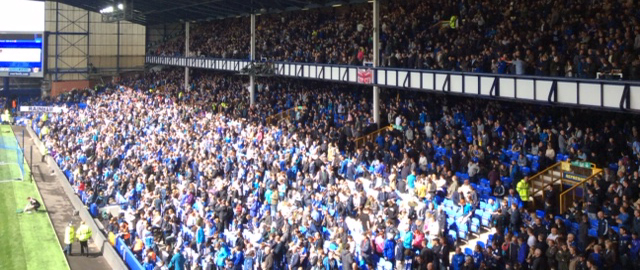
[462, 231]
[616, 229]
[478, 214]
[486, 219]
[481, 244]
[475, 225]
[484, 182]
[483, 205]
[468, 251]
[594, 223]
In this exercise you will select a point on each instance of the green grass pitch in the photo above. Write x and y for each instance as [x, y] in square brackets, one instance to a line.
[28, 240]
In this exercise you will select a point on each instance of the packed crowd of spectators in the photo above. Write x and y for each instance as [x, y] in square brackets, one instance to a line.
[205, 183]
[577, 38]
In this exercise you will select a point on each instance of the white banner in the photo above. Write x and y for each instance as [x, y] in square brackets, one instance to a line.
[47, 109]
[20, 55]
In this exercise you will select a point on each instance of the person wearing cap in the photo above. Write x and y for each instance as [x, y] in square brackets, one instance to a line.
[84, 233]
[69, 238]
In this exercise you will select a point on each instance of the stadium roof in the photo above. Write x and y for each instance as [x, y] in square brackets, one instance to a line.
[152, 12]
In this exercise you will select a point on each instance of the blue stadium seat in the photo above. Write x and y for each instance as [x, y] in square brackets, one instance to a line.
[486, 218]
[484, 182]
[593, 233]
[594, 223]
[575, 227]
[540, 213]
[453, 235]
[462, 231]
[535, 167]
[481, 244]
[475, 225]
[483, 205]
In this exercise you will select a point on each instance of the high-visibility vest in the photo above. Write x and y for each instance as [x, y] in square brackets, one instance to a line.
[453, 22]
[6, 116]
[69, 235]
[112, 239]
[84, 233]
[523, 190]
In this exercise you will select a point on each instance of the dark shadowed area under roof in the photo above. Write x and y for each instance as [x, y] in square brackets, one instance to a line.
[152, 12]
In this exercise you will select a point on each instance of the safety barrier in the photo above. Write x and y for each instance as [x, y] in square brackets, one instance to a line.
[283, 115]
[360, 142]
[127, 255]
[538, 184]
[577, 191]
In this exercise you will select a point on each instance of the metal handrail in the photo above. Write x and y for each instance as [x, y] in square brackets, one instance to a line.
[581, 183]
[281, 115]
[363, 139]
[539, 175]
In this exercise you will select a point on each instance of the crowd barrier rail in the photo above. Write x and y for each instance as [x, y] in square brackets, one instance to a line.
[127, 255]
[283, 115]
[614, 95]
[371, 137]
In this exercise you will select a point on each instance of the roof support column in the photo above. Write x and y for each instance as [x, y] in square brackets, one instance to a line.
[376, 60]
[186, 54]
[252, 86]
[117, 51]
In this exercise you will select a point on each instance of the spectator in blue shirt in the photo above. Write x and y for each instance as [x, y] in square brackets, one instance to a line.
[177, 261]
[411, 182]
[523, 252]
[458, 259]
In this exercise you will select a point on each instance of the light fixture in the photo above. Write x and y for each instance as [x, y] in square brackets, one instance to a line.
[120, 6]
[337, 5]
[108, 9]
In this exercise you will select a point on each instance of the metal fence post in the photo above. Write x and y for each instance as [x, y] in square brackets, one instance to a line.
[31, 163]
